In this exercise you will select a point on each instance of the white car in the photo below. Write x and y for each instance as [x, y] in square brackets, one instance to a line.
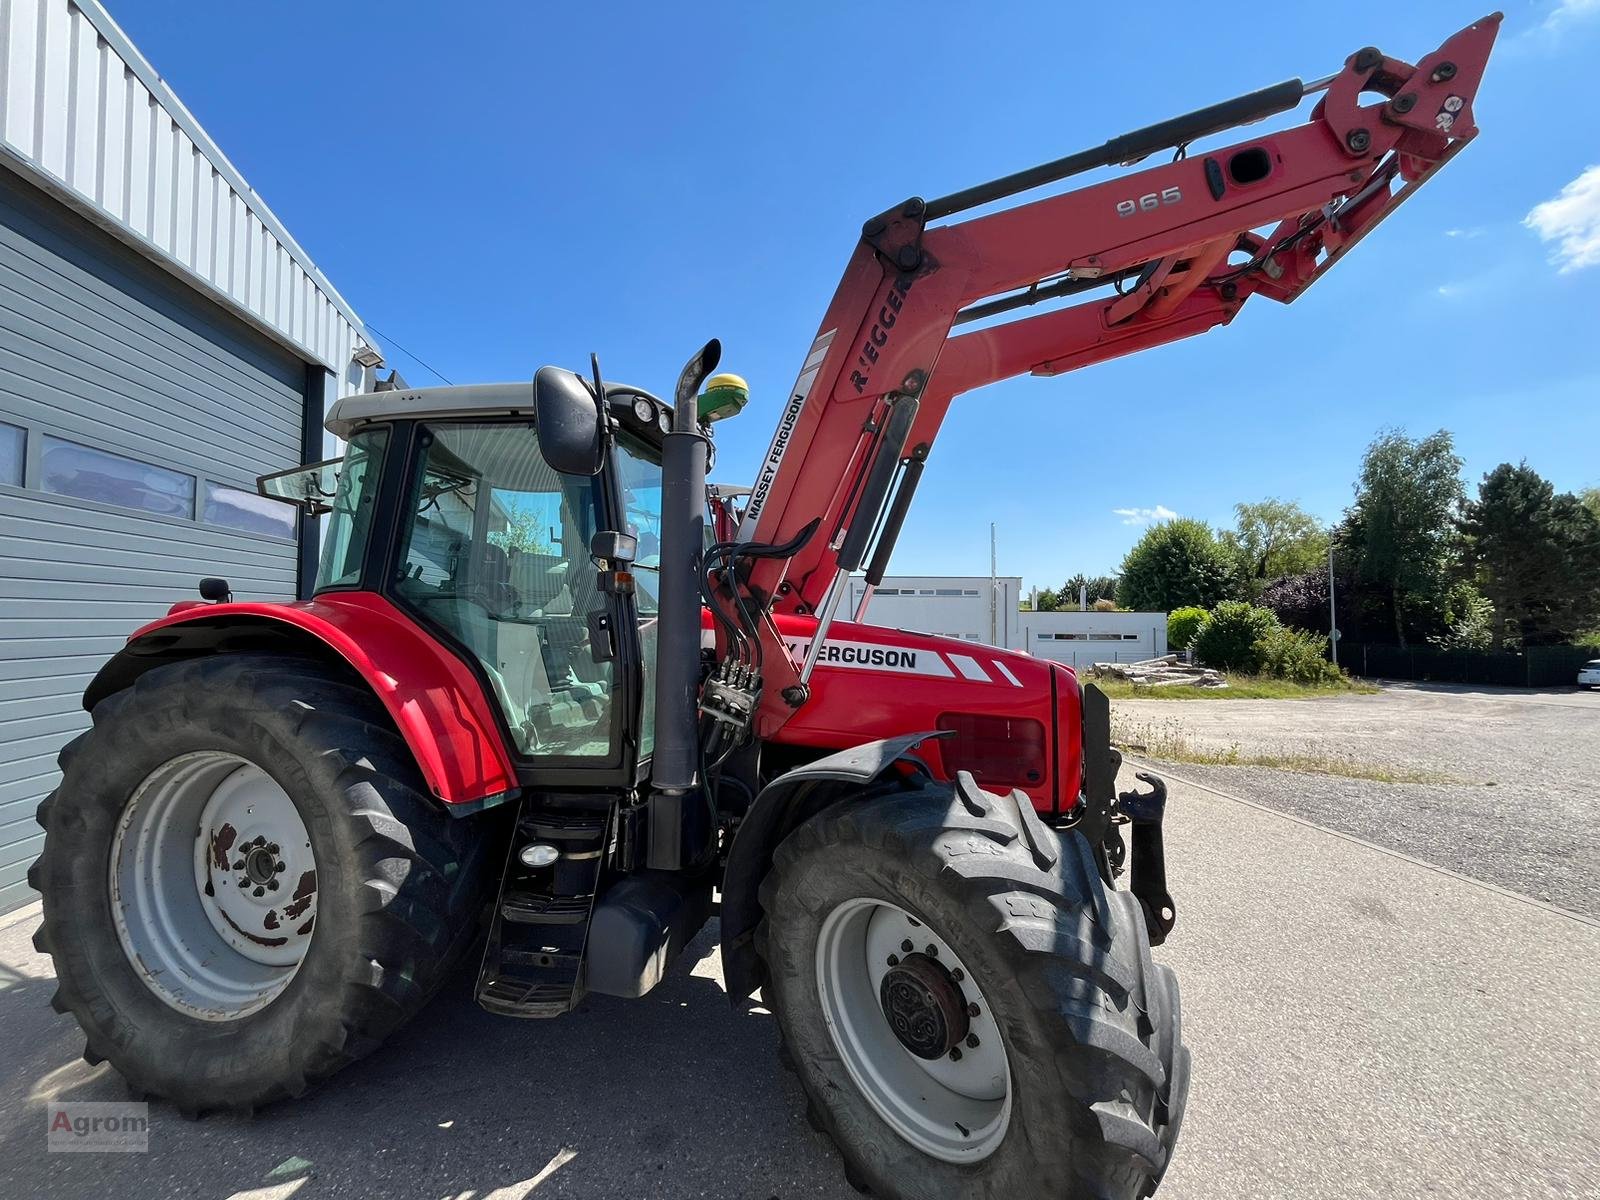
[1589, 673]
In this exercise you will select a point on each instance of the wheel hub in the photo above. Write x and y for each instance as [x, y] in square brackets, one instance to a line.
[261, 865]
[924, 1006]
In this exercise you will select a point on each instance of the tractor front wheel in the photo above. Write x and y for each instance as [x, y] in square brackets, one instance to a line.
[969, 1008]
[245, 885]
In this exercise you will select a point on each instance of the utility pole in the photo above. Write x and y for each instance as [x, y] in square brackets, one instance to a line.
[1333, 615]
[994, 608]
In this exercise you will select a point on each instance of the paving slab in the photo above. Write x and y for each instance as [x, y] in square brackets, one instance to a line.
[1363, 1025]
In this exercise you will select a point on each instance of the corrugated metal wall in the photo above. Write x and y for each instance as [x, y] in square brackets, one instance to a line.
[101, 350]
[83, 109]
[156, 326]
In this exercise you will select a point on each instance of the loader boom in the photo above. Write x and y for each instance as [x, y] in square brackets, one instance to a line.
[1158, 254]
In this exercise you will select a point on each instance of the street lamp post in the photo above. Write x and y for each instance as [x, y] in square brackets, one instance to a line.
[1333, 616]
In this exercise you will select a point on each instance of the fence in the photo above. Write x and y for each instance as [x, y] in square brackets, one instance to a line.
[1537, 666]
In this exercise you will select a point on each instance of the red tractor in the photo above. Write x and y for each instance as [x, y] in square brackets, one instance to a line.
[549, 680]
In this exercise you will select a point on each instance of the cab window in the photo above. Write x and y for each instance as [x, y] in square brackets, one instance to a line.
[496, 554]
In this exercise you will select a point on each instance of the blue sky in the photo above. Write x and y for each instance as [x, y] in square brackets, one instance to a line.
[502, 185]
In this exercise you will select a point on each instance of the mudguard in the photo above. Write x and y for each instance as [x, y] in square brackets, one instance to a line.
[783, 804]
[435, 699]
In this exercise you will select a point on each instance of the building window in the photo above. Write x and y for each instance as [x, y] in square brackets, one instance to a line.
[68, 469]
[13, 442]
[969, 591]
[234, 508]
[948, 592]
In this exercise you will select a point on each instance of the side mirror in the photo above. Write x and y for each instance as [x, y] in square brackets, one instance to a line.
[311, 489]
[567, 419]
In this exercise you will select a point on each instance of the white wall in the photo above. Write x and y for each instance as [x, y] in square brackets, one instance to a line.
[959, 606]
[1082, 638]
[952, 605]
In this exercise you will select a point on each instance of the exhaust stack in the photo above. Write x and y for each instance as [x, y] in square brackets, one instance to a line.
[676, 760]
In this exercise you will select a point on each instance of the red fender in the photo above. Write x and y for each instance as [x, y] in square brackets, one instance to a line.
[436, 701]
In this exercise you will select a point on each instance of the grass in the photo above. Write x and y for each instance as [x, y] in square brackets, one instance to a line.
[1240, 687]
[1168, 743]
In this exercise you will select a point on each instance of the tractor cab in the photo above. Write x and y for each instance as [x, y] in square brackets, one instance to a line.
[521, 525]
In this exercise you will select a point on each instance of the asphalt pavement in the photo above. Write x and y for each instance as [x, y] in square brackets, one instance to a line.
[1363, 1025]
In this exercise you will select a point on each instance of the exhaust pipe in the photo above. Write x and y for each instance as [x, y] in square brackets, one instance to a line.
[676, 759]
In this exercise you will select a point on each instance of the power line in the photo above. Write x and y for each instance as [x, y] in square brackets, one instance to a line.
[396, 344]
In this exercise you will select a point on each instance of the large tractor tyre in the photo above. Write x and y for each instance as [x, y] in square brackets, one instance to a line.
[970, 1010]
[245, 884]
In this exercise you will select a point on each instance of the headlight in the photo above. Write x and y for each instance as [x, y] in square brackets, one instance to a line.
[643, 410]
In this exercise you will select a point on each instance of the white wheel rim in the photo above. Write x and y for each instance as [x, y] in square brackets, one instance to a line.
[954, 1108]
[213, 885]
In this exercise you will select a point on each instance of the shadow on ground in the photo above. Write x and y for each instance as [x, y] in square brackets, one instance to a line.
[672, 1095]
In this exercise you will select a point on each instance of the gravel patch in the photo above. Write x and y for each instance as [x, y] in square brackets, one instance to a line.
[1519, 808]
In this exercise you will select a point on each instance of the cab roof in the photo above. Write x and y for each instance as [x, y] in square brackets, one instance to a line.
[457, 402]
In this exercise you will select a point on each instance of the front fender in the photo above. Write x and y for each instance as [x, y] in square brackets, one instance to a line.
[434, 698]
[786, 802]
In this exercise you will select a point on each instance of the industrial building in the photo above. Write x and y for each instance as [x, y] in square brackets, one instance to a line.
[981, 608]
[163, 341]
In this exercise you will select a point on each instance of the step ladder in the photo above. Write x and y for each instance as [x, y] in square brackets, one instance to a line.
[533, 962]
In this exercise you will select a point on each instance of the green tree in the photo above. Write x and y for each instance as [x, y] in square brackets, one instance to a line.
[524, 532]
[1046, 600]
[1175, 563]
[1534, 554]
[1273, 538]
[1402, 525]
[1590, 499]
[1098, 587]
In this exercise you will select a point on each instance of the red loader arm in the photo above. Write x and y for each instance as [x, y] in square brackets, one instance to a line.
[1183, 245]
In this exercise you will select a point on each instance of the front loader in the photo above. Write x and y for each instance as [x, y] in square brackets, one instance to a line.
[557, 700]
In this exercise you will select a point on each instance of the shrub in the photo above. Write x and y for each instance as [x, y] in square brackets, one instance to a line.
[1105, 605]
[1182, 625]
[1227, 638]
[1296, 655]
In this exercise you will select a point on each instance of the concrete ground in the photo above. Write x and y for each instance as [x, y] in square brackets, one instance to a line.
[1363, 1026]
[1513, 773]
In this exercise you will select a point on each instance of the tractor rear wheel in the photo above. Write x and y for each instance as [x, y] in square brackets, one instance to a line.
[245, 884]
[970, 1010]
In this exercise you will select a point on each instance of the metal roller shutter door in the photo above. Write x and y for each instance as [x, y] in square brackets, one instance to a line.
[101, 349]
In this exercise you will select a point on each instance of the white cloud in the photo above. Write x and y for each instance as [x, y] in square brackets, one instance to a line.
[1474, 232]
[1144, 516]
[1572, 219]
[1566, 12]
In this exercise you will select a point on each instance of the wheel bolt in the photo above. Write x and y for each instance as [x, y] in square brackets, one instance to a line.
[272, 885]
[958, 975]
[955, 1053]
[972, 1041]
[894, 960]
[277, 866]
[906, 946]
[932, 951]
[972, 1010]
[260, 891]
[239, 866]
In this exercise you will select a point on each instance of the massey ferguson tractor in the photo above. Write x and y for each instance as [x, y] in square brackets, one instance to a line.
[557, 700]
